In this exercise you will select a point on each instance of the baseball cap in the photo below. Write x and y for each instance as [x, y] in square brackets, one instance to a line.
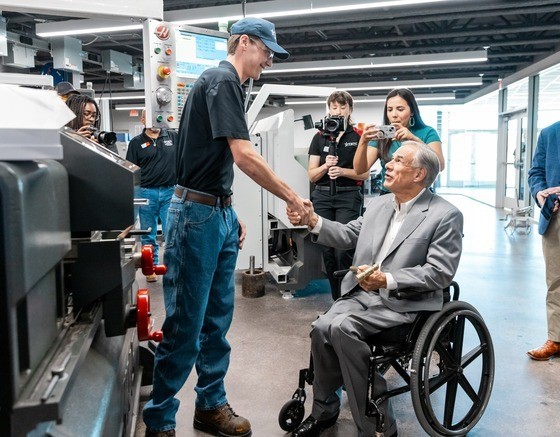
[262, 29]
[63, 88]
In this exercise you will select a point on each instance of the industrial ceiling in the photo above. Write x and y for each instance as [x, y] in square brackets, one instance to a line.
[515, 34]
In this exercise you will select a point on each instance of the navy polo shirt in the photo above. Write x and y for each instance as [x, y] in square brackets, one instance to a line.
[345, 150]
[156, 158]
[213, 113]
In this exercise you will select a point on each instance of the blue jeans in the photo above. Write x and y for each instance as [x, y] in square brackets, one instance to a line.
[200, 254]
[149, 214]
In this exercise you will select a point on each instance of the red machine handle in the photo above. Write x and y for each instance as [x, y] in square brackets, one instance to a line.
[147, 262]
[144, 323]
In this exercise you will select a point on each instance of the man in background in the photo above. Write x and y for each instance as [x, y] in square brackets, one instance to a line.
[65, 90]
[154, 151]
[544, 182]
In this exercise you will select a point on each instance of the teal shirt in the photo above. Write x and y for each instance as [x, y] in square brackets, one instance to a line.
[426, 134]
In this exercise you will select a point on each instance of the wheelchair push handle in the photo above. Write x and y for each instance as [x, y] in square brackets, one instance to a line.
[359, 276]
[340, 273]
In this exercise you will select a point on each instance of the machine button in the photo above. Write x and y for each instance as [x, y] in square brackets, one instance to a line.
[168, 51]
[159, 118]
[170, 118]
[157, 50]
[164, 71]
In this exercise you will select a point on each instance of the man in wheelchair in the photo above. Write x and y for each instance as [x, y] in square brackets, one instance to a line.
[415, 238]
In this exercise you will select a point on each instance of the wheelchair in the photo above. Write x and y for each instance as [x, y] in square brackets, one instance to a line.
[445, 358]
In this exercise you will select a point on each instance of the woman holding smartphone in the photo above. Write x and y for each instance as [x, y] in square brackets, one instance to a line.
[402, 112]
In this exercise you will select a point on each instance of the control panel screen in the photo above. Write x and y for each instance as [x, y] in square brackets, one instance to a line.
[194, 53]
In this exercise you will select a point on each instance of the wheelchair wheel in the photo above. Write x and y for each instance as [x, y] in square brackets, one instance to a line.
[291, 415]
[452, 371]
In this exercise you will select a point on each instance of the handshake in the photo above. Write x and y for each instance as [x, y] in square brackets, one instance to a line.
[303, 214]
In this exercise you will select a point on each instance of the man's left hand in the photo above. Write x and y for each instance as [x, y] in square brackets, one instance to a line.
[242, 233]
[542, 195]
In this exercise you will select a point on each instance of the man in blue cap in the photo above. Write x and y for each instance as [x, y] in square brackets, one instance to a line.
[204, 235]
[65, 90]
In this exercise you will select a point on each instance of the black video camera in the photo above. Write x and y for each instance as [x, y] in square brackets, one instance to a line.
[331, 124]
[103, 137]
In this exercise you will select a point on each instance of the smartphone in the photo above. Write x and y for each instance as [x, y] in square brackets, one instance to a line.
[548, 206]
[385, 131]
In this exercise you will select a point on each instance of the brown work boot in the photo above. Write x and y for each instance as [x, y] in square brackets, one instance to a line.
[547, 350]
[222, 422]
[168, 433]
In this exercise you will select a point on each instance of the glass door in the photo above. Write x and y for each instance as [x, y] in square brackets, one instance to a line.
[514, 192]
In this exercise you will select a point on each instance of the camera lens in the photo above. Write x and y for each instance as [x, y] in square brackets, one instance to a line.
[105, 138]
[332, 125]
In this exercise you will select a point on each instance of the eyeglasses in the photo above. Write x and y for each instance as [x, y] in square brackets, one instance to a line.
[399, 160]
[269, 53]
[89, 114]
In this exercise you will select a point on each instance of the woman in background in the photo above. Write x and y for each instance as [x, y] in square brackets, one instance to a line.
[88, 118]
[324, 166]
[402, 112]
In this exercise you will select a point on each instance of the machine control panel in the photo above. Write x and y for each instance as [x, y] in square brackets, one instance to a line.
[160, 76]
[174, 57]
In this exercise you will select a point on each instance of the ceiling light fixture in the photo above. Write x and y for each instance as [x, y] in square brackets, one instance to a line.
[419, 98]
[122, 96]
[85, 26]
[385, 62]
[128, 107]
[411, 84]
[279, 8]
[215, 14]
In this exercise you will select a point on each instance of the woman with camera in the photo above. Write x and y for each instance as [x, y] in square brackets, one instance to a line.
[337, 194]
[401, 122]
[87, 121]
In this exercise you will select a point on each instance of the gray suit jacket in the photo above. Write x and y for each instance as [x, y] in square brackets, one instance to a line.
[424, 255]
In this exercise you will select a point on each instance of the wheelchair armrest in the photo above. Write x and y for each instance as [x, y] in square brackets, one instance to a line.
[411, 293]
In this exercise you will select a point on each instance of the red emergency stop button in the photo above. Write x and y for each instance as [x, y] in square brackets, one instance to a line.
[170, 118]
[164, 71]
[168, 51]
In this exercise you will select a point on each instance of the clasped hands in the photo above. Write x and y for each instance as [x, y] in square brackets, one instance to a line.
[302, 216]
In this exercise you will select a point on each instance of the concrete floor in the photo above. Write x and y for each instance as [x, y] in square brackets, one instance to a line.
[501, 274]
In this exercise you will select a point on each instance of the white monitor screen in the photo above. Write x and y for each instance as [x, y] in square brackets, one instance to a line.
[196, 52]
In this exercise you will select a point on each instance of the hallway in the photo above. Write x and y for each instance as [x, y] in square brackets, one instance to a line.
[500, 273]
